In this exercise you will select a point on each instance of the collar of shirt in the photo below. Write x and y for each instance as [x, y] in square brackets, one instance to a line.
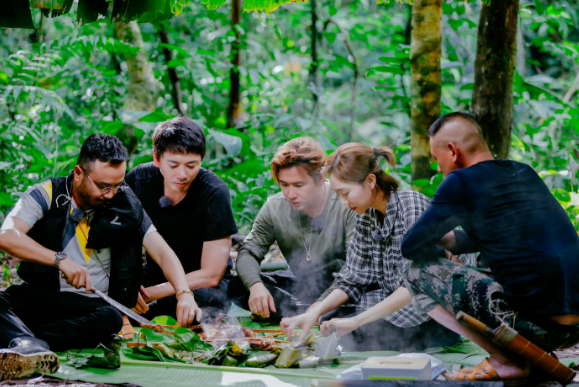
[385, 224]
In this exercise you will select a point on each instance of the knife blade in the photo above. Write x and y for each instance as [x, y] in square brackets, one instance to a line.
[122, 308]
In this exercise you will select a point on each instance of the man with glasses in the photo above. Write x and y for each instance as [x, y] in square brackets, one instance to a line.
[74, 234]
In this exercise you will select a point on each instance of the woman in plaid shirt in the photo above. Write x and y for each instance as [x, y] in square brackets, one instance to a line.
[385, 318]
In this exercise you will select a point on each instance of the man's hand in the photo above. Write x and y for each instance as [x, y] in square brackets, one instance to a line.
[76, 275]
[306, 321]
[451, 257]
[187, 310]
[260, 300]
[142, 307]
[342, 326]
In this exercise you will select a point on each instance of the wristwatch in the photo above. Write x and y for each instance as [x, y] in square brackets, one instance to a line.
[59, 257]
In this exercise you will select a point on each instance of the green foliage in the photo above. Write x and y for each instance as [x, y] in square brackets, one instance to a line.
[55, 93]
[100, 357]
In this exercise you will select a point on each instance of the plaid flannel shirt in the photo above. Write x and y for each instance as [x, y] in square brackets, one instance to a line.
[370, 261]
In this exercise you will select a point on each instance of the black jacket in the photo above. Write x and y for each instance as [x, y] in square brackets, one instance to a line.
[116, 224]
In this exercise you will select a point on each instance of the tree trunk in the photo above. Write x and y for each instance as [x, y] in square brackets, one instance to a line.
[314, 41]
[425, 53]
[492, 98]
[173, 74]
[143, 87]
[234, 109]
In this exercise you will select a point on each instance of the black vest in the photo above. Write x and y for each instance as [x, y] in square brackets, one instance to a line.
[116, 224]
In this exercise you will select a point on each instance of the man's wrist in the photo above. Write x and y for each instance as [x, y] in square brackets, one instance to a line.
[59, 257]
[254, 287]
[181, 292]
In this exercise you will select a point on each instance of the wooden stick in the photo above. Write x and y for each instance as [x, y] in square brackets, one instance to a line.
[154, 343]
[246, 338]
[267, 330]
[140, 344]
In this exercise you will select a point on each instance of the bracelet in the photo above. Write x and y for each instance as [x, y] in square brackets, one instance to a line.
[184, 291]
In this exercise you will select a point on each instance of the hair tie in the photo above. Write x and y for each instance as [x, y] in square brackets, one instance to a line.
[376, 153]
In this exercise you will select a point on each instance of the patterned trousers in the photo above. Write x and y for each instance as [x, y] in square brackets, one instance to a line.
[470, 290]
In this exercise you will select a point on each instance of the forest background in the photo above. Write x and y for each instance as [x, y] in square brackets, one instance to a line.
[62, 82]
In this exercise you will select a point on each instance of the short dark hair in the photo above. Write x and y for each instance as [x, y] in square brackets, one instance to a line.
[102, 147]
[178, 135]
[439, 123]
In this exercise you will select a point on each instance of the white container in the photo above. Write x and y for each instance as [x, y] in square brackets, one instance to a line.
[395, 368]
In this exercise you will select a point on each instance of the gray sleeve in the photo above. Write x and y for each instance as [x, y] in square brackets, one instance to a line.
[350, 227]
[31, 206]
[255, 247]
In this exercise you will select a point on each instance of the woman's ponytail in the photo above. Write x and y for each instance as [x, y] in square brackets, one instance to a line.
[354, 162]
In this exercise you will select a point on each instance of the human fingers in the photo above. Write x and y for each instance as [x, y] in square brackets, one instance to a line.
[181, 319]
[190, 316]
[81, 280]
[264, 307]
[198, 314]
[252, 307]
[290, 330]
[142, 303]
[75, 279]
[271, 303]
[139, 309]
[88, 283]
[145, 292]
[284, 325]
[325, 328]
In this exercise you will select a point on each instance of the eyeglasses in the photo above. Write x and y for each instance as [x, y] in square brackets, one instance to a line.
[105, 190]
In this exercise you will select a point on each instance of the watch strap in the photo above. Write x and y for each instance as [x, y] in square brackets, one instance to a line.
[59, 256]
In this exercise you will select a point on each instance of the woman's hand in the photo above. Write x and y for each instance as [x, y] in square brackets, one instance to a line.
[342, 326]
[306, 321]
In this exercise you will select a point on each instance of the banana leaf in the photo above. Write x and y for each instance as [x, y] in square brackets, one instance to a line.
[191, 340]
[100, 357]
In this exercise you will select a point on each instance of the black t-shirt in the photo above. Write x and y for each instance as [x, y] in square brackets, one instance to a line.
[203, 215]
[522, 232]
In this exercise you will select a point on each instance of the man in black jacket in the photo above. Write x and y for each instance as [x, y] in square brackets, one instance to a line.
[75, 234]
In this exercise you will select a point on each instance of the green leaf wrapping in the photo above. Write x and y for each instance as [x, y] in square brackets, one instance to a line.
[100, 357]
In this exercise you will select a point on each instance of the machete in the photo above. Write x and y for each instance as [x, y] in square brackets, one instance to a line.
[129, 313]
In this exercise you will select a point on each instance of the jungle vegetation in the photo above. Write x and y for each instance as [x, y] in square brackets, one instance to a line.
[336, 70]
